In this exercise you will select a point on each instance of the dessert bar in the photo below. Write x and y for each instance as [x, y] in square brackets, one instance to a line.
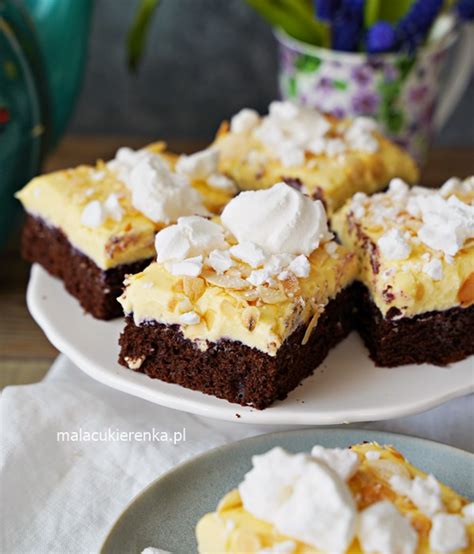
[327, 158]
[243, 307]
[415, 299]
[92, 225]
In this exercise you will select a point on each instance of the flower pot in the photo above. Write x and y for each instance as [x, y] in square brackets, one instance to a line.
[400, 91]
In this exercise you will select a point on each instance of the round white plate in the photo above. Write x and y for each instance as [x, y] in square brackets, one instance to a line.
[346, 388]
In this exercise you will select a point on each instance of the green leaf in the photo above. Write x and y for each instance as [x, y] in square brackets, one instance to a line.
[393, 10]
[371, 12]
[295, 18]
[138, 33]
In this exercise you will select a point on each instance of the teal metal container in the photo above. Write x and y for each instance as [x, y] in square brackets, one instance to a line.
[42, 55]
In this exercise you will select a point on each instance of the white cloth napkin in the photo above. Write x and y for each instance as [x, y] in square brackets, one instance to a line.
[60, 496]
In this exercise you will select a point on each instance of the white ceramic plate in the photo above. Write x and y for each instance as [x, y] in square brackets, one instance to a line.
[347, 387]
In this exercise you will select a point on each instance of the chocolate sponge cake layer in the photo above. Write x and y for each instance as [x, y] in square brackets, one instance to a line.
[229, 369]
[439, 338]
[96, 289]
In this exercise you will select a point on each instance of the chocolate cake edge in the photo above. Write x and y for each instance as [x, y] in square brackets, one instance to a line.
[437, 337]
[232, 370]
[96, 289]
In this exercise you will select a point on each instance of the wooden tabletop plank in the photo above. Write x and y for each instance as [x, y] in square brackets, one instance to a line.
[25, 353]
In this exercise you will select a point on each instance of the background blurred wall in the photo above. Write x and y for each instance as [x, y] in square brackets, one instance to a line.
[205, 60]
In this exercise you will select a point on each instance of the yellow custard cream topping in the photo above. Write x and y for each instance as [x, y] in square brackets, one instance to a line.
[325, 157]
[111, 212]
[363, 500]
[415, 246]
[267, 267]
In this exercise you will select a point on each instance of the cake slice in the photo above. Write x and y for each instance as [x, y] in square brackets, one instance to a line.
[245, 307]
[92, 225]
[363, 499]
[416, 250]
[327, 158]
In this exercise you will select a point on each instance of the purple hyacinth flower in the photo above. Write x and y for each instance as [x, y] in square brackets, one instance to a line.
[326, 9]
[355, 7]
[347, 26]
[411, 30]
[345, 34]
[466, 9]
[380, 38]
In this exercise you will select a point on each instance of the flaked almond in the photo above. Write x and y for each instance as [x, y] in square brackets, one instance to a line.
[250, 317]
[223, 129]
[420, 291]
[231, 500]
[234, 272]
[250, 295]
[178, 286]
[271, 296]
[157, 147]
[291, 284]
[184, 306]
[193, 287]
[172, 304]
[466, 291]
[134, 362]
[226, 281]
[312, 324]
[209, 317]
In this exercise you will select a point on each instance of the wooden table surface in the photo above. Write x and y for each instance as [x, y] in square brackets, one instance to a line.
[25, 353]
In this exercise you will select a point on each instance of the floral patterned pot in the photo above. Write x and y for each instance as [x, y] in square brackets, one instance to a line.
[399, 91]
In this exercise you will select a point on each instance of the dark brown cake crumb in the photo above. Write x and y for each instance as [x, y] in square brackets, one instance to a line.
[229, 369]
[438, 338]
[96, 289]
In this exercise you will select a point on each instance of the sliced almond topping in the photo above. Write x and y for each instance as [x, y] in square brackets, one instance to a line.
[134, 363]
[226, 281]
[178, 286]
[291, 284]
[184, 306]
[250, 295]
[193, 287]
[271, 296]
[420, 291]
[172, 303]
[209, 317]
[312, 324]
[466, 292]
[250, 317]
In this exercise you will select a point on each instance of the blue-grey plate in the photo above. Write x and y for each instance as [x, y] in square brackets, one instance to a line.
[165, 514]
